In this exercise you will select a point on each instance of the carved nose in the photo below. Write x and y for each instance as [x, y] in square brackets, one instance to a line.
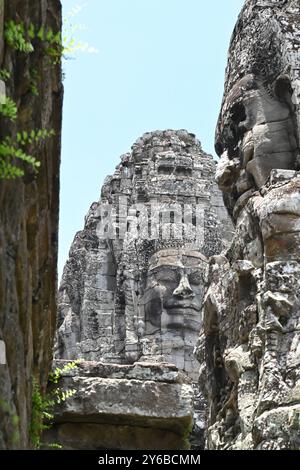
[184, 289]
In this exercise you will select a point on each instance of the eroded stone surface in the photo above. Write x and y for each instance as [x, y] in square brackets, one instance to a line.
[132, 288]
[250, 339]
[158, 372]
[86, 436]
[143, 406]
[28, 227]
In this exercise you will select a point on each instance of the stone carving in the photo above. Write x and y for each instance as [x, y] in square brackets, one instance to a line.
[258, 128]
[133, 285]
[259, 134]
[250, 337]
[171, 306]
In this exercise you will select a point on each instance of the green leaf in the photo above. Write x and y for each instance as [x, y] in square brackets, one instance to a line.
[4, 75]
[41, 33]
[9, 109]
[31, 31]
[14, 35]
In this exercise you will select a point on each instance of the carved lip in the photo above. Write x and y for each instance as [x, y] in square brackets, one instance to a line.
[180, 326]
[178, 306]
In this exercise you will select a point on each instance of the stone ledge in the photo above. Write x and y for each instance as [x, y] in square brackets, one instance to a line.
[147, 403]
[156, 372]
[148, 413]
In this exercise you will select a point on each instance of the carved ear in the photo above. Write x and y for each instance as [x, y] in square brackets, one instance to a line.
[283, 90]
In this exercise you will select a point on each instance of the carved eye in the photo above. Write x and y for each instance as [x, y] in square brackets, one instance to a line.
[165, 170]
[183, 171]
[238, 113]
[166, 275]
[195, 278]
[235, 130]
[283, 89]
[219, 148]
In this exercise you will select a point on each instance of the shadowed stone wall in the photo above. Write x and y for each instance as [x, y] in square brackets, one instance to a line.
[28, 226]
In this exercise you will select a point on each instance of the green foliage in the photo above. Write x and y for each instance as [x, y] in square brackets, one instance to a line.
[34, 82]
[59, 371]
[61, 396]
[19, 39]
[70, 44]
[54, 446]
[70, 32]
[51, 41]
[42, 413]
[14, 419]
[11, 151]
[39, 412]
[43, 406]
[186, 436]
[8, 109]
[55, 46]
[15, 37]
[25, 138]
[4, 75]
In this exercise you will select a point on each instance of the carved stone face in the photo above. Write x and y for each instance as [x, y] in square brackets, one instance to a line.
[257, 134]
[174, 291]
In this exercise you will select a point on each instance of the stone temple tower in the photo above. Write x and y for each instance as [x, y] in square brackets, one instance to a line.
[132, 288]
[130, 300]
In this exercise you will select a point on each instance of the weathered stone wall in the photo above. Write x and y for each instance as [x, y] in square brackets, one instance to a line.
[28, 227]
[250, 338]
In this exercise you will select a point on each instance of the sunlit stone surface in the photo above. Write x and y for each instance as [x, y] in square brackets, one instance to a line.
[250, 341]
[133, 287]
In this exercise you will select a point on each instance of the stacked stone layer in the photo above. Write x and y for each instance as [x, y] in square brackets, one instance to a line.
[143, 406]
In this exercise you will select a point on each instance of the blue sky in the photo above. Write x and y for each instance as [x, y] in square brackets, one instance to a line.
[160, 65]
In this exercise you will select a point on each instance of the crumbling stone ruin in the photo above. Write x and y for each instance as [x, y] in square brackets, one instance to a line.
[250, 337]
[133, 286]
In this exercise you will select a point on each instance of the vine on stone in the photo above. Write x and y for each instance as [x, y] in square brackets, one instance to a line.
[14, 150]
[43, 406]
